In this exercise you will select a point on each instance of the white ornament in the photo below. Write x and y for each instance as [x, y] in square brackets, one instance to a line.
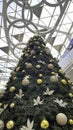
[25, 81]
[29, 126]
[60, 102]
[61, 119]
[38, 101]
[20, 94]
[54, 79]
[48, 92]
[1, 125]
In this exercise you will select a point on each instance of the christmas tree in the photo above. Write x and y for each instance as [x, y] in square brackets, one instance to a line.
[37, 95]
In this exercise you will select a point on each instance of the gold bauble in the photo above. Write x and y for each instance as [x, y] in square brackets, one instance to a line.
[50, 66]
[60, 71]
[34, 57]
[40, 54]
[28, 65]
[10, 124]
[2, 93]
[23, 71]
[53, 79]
[61, 119]
[26, 55]
[25, 82]
[12, 105]
[12, 89]
[63, 81]
[70, 94]
[38, 66]
[39, 81]
[44, 124]
[53, 73]
[70, 121]
[14, 78]
[1, 125]
[40, 75]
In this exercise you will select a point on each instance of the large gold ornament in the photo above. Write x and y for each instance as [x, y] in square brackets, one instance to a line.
[12, 105]
[61, 119]
[1, 125]
[44, 124]
[12, 89]
[70, 121]
[60, 71]
[10, 124]
[28, 65]
[39, 81]
[63, 81]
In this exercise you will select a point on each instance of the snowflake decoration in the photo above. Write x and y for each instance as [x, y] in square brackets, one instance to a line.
[20, 94]
[40, 61]
[60, 102]
[29, 126]
[48, 92]
[38, 101]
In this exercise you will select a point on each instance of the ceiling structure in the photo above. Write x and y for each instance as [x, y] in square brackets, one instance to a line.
[22, 19]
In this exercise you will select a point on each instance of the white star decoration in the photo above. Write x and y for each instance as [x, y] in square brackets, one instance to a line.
[29, 126]
[20, 94]
[60, 102]
[38, 101]
[48, 92]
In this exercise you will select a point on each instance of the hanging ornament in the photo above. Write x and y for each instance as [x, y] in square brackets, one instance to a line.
[25, 81]
[40, 54]
[70, 95]
[61, 119]
[26, 55]
[53, 73]
[32, 52]
[12, 89]
[50, 66]
[70, 121]
[63, 81]
[28, 65]
[10, 124]
[34, 57]
[60, 71]
[12, 105]
[44, 124]
[23, 71]
[40, 75]
[14, 78]
[38, 66]
[39, 81]
[53, 79]
[1, 125]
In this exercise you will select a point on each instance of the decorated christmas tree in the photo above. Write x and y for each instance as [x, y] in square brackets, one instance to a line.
[37, 95]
